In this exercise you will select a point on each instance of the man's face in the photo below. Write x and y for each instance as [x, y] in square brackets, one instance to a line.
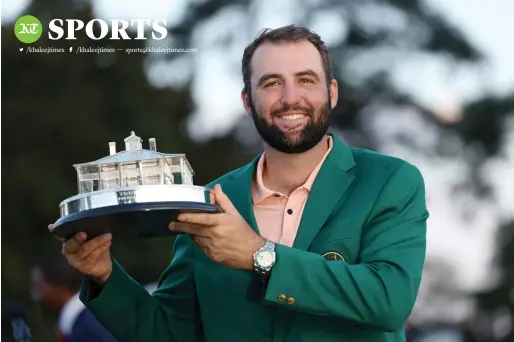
[42, 292]
[290, 102]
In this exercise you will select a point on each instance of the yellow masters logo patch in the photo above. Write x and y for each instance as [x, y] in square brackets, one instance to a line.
[332, 255]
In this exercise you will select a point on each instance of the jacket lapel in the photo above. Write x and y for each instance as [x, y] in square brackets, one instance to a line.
[329, 187]
[239, 190]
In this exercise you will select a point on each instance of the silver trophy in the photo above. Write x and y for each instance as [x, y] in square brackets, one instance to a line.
[133, 192]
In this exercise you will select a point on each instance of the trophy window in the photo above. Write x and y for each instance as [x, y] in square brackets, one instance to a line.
[153, 172]
[110, 176]
[88, 178]
[130, 174]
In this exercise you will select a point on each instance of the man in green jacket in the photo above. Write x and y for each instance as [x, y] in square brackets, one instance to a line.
[317, 241]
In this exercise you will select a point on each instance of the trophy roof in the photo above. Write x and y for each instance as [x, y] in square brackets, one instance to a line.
[133, 153]
[128, 156]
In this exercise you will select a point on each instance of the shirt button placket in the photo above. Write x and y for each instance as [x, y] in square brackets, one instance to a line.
[288, 219]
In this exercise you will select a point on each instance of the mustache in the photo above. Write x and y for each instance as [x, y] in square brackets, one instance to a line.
[309, 111]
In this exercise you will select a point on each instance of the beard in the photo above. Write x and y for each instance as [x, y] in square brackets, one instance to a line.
[311, 135]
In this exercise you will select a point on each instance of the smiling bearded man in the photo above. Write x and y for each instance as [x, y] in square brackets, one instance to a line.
[317, 240]
[289, 135]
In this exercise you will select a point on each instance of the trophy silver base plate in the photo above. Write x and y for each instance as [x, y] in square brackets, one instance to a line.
[139, 211]
[142, 220]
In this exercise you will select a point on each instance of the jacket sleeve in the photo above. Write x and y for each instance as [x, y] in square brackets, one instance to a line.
[380, 290]
[130, 313]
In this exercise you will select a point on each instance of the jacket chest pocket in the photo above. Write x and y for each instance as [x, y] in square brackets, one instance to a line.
[337, 244]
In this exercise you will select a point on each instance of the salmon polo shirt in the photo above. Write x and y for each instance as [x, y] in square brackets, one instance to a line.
[278, 215]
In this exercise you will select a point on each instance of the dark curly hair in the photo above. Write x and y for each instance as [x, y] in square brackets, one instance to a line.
[290, 33]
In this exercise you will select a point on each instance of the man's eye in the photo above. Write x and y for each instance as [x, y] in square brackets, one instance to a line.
[270, 84]
[306, 80]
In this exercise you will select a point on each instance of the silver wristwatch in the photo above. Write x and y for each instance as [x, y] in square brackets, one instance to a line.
[264, 259]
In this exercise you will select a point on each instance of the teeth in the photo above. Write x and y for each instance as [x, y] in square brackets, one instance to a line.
[292, 116]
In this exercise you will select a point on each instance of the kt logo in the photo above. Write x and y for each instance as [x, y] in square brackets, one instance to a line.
[28, 29]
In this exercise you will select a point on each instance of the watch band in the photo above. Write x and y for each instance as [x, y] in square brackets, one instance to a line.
[269, 245]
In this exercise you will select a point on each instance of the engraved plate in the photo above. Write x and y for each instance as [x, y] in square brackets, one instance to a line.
[126, 196]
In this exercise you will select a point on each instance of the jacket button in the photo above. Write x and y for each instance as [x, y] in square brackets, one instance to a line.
[290, 300]
[282, 297]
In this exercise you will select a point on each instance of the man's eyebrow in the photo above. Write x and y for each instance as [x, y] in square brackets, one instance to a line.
[307, 72]
[266, 77]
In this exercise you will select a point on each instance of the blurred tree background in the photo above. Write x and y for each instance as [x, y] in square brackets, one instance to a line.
[61, 109]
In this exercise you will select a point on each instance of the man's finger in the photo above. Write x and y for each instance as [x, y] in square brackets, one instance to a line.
[95, 255]
[188, 228]
[92, 245]
[201, 218]
[224, 201]
[73, 245]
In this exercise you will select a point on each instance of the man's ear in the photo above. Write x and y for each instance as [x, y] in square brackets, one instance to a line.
[334, 93]
[245, 98]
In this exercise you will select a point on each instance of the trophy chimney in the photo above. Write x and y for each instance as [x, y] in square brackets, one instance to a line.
[112, 148]
[153, 145]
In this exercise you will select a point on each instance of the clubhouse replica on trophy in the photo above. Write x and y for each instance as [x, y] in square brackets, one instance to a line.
[132, 192]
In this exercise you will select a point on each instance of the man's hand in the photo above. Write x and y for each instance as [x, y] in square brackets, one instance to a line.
[92, 257]
[226, 238]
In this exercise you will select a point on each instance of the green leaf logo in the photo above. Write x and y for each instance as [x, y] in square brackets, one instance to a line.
[28, 29]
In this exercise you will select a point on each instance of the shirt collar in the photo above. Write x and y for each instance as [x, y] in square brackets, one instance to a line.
[69, 314]
[260, 192]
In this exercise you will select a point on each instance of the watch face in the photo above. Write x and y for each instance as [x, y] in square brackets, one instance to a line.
[265, 259]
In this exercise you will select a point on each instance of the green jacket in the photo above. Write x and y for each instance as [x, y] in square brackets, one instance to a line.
[366, 207]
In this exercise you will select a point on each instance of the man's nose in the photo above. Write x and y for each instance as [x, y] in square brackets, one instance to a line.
[290, 94]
